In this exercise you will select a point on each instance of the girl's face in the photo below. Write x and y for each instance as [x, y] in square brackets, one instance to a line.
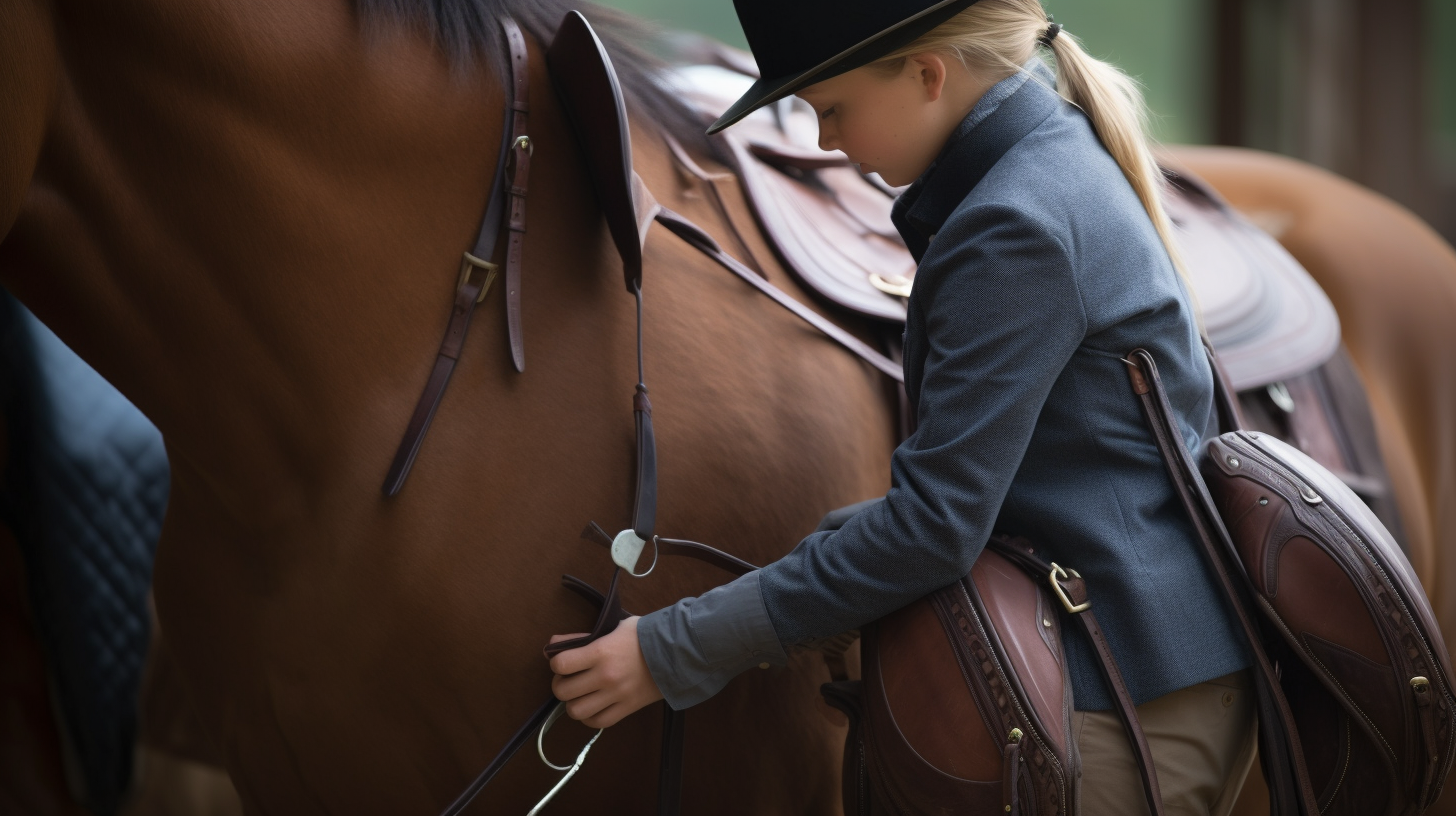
[894, 124]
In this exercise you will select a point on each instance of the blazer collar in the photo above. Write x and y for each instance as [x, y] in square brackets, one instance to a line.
[1013, 107]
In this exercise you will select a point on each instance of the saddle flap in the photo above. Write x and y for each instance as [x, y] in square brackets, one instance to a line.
[1267, 318]
[589, 89]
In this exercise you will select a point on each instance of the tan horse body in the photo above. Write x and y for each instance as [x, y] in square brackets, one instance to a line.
[249, 218]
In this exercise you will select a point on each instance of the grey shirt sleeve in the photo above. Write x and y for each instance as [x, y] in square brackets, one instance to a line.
[694, 647]
[1002, 315]
[998, 314]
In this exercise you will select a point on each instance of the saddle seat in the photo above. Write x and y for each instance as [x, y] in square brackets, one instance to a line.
[830, 225]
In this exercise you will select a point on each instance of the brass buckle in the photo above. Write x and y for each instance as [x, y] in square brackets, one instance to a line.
[1061, 594]
[472, 262]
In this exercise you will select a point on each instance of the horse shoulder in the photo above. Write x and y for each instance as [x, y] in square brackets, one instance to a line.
[29, 66]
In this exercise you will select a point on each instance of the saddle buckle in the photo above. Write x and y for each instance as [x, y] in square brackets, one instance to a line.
[1058, 575]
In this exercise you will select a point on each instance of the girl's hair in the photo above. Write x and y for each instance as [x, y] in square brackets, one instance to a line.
[997, 37]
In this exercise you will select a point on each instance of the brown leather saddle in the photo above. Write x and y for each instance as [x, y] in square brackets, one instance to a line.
[1267, 318]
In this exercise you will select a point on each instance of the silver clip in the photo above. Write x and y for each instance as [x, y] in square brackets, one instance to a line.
[569, 769]
[627, 550]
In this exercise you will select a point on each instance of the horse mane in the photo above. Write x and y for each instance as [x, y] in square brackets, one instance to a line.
[467, 30]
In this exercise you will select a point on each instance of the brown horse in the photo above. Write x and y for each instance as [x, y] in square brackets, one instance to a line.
[249, 217]
[249, 220]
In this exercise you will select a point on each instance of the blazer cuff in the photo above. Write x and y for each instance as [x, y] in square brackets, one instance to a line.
[694, 647]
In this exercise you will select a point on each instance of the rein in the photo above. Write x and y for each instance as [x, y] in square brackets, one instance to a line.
[477, 274]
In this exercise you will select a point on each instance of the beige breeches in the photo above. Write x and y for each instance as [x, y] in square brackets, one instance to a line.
[1203, 741]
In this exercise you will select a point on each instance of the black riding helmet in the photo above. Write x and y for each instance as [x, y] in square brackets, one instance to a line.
[800, 42]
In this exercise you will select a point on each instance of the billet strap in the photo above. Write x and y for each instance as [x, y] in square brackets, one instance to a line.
[1071, 589]
[1290, 791]
[512, 174]
[703, 242]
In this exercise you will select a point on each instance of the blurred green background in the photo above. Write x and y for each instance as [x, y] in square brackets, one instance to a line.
[1172, 48]
[1167, 44]
[1441, 53]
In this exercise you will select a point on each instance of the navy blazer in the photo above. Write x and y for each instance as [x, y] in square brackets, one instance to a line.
[1038, 273]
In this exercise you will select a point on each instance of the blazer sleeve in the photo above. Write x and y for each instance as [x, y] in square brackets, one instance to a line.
[1002, 315]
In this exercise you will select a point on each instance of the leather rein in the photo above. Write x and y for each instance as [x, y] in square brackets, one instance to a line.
[506, 205]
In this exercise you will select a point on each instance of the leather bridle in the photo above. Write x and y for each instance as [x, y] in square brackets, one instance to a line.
[477, 273]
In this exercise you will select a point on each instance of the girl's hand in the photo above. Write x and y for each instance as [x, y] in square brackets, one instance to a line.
[604, 681]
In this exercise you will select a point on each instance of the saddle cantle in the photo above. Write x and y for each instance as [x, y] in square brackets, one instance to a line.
[831, 227]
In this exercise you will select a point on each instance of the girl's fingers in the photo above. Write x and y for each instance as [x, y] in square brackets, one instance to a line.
[588, 706]
[572, 661]
[608, 717]
[568, 688]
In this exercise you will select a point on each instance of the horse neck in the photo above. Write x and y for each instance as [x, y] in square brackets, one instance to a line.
[27, 87]
[249, 217]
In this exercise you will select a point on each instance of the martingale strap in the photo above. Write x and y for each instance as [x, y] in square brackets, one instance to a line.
[477, 273]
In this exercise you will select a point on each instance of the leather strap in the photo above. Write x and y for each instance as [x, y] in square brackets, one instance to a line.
[609, 616]
[678, 547]
[518, 172]
[1074, 589]
[669, 773]
[704, 242]
[1011, 778]
[512, 174]
[1290, 791]
[520, 738]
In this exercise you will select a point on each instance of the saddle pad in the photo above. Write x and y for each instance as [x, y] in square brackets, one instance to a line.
[1263, 312]
[84, 490]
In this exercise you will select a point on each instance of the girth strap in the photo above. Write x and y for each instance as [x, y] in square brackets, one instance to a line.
[512, 175]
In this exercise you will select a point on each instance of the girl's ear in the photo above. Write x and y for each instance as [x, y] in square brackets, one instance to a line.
[929, 71]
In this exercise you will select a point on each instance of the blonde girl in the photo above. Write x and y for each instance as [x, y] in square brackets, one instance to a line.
[1035, 213]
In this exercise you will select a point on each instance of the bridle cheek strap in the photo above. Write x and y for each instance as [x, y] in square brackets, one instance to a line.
[477, 273]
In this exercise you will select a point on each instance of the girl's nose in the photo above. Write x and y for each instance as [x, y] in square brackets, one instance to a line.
[828, 138]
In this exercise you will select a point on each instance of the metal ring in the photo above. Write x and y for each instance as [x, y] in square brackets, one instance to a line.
[655, 553]
[541, 735]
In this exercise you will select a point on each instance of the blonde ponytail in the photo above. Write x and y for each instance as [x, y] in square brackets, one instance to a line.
[996, 37]
[1114, 103]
